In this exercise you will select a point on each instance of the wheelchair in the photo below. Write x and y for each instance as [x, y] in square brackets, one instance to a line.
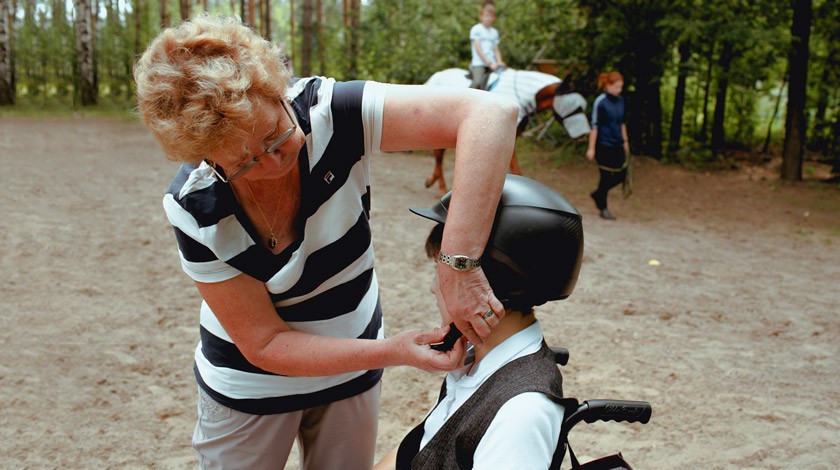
[591, 411]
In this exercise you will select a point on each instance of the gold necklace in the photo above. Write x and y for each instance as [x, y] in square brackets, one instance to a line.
[272, 241]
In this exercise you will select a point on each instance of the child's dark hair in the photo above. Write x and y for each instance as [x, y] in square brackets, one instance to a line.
[433, 241]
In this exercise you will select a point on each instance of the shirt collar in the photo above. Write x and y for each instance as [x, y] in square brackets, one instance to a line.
[522, 343]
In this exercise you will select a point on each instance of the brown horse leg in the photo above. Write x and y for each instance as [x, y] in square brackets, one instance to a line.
[514, 165]
[437, 173]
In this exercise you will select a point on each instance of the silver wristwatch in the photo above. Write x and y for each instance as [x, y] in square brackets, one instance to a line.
[459, 262]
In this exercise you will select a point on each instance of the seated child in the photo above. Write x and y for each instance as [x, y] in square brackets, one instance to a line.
[501, 410]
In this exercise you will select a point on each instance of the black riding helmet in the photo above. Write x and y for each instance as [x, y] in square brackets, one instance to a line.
[535, 247]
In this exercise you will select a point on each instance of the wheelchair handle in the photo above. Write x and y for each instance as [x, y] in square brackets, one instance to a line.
[610, 410]
[561, 355]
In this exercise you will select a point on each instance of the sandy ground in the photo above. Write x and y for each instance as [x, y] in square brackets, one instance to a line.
[733, 337]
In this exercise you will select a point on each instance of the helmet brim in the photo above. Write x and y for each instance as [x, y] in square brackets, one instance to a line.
[436, 213]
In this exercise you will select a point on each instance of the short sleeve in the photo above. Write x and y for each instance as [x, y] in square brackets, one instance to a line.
[475, 34]
[594, 120]
[522, 436]
[373, 104]
[196, 234]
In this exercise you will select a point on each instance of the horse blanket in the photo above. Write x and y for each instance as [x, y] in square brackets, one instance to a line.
[522, 86]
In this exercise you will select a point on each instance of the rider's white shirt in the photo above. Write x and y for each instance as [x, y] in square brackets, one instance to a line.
[488, 39]
[525, 431]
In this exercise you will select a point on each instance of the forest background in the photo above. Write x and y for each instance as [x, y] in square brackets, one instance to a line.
[705, 80]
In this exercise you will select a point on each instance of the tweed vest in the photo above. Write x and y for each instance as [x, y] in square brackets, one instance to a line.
[454, 444]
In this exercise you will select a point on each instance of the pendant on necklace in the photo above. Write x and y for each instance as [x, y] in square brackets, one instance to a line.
[272, 242]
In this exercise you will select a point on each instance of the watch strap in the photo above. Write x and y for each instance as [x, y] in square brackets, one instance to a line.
[459, 262]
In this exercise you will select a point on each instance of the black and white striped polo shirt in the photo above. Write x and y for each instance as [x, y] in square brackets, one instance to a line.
[324, 283]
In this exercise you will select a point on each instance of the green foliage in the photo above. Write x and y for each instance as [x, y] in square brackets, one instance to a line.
[434, 35]
[697, 157]
[405, 41]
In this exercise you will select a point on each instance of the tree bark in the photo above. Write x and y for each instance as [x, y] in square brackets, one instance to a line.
[795, 125]
[137, 6]
[165, 20]
[84, 52]
[319, 38]
[252, 20]
[679, 101]
[290, 54]
[185, 9]
[819, 135]
[775, 113]
[266, 19]
[833, 151]
[707, 87]
[648, 106]
[7, 92]
[12, 16]
[718, 131]
[306, 30]
[352, 10]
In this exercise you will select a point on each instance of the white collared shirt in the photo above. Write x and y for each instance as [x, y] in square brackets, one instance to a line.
[525, 431]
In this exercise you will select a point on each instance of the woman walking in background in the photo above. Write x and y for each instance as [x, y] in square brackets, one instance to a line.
[608, 143]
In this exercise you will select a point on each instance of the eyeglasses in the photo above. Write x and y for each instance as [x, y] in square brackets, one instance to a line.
[272, 147]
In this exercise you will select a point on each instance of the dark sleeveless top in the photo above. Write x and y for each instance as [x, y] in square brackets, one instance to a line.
[454, 444]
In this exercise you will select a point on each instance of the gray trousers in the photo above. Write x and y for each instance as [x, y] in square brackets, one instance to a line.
[480, 75]
[336, 435]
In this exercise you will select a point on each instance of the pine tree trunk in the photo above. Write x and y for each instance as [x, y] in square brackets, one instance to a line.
[165, 20]
[775, 113]
[306, 42]
[647, 108]
[319, 38]
[7, 92]
[819, 136]
[352, 13]
[185, 9]
[266, 19]
[718, 131]
[795, 125]
[679, 101]
[84, 52]
[707, 88]
[137, 6]
[833, 151]
[291, 51]
[11, 24]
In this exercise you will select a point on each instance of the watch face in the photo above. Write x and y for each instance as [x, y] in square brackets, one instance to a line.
[459, 263]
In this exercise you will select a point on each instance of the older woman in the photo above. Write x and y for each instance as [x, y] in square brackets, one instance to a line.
[271, 214]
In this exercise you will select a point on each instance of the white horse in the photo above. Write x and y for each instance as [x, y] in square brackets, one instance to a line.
[534, 91]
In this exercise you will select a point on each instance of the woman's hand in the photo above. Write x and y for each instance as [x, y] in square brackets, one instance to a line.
[468, 297]
[590, 154]
[481, 127]
[413, 348]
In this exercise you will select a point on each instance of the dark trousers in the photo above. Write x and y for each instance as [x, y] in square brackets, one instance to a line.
[611, 167]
